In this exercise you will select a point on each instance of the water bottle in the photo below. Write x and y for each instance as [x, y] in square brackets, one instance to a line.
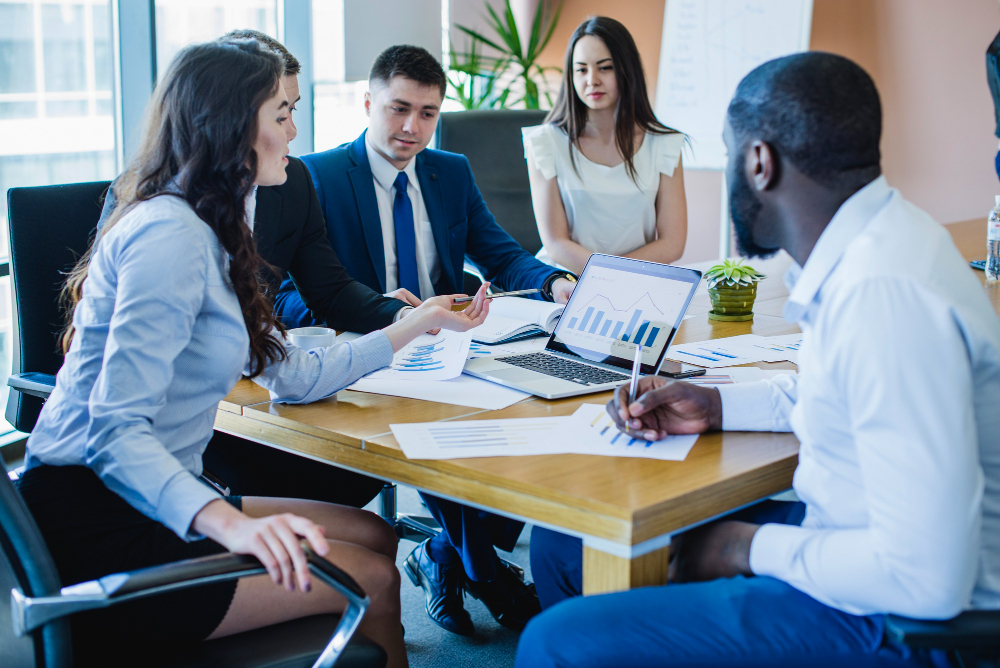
[993, 243]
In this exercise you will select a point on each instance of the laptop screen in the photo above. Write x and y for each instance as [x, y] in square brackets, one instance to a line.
[620, 302]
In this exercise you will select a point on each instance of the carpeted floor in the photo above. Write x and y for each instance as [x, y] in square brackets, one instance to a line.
[427, 644]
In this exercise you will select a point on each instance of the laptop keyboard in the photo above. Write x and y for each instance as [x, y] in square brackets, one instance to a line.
[575, 372]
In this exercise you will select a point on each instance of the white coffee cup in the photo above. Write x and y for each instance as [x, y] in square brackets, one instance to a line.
[308, 338]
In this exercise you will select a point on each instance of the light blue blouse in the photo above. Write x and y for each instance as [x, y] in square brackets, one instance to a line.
[160, 340]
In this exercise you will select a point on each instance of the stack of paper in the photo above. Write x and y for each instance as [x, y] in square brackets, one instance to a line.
[589, 431]
[429, 373]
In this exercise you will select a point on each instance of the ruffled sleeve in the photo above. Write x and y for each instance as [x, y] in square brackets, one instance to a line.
[668, 152]
[540, 142]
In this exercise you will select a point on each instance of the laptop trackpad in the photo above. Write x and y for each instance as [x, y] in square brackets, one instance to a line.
[514, 375]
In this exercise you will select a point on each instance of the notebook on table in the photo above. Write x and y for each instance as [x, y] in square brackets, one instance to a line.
[515, 318]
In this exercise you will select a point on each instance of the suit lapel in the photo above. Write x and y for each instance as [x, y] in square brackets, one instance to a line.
[430, 189]
[364, 194]
[266, 219]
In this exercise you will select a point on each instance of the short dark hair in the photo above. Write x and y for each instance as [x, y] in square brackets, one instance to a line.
[292, 65]
[411, 62]
[819, 110]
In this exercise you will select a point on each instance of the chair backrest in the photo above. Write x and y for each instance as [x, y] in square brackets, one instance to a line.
[491, 140]
[50, 227]
[25, 563]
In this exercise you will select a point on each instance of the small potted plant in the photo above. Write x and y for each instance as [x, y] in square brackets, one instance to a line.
[732, 287]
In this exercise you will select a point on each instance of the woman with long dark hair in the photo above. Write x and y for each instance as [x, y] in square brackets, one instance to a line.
[605, 173]
[168, 311]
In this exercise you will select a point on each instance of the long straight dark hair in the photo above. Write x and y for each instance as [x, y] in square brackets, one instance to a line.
[634, 110]
[198, 144]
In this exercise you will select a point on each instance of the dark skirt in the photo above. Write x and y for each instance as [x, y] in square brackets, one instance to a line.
[92, 532]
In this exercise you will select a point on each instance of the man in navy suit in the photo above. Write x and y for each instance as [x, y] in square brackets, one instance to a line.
[403, 217]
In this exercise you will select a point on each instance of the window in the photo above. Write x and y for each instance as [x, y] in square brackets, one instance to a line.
[56, 115]
[338, 95]
[183, 22]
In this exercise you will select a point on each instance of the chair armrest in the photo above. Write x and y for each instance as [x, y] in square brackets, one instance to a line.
[34, 383]
[973, 629]
[30, 613]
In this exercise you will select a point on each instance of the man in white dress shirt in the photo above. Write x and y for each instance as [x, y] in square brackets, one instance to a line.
[895, 405]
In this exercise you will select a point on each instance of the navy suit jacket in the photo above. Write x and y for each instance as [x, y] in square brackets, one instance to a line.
[462, 225]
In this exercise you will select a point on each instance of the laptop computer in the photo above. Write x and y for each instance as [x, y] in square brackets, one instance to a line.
[618, 303]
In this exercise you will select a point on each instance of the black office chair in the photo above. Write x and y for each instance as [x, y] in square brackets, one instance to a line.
[34, 628]
[972, 639]
[50, 228]
[491, 140]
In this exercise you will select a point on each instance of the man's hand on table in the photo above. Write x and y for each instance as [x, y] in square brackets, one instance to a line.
[665, 407]
[562, 290]
[405, 296]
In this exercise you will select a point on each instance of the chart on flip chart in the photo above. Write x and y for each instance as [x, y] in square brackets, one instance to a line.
[708, 47]
[613, 310]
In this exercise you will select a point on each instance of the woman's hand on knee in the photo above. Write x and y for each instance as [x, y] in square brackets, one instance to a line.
[274, 540]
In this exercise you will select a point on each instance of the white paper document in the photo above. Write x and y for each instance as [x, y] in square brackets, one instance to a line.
[428, 357]
[603, 438]
[589, 431]
[735, 375]
[482, 438]
[736, 350]
[463, 390]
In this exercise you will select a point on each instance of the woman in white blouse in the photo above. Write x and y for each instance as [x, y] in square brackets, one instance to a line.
[605, 174]
[168, 312]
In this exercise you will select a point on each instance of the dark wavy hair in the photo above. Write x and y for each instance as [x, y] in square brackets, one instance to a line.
[634, 109]
[198, 143]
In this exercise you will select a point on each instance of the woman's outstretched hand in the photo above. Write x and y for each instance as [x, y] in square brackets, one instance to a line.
[274, 540]
[471, 316]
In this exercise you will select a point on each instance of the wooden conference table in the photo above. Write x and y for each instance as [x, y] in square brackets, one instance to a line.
[624, 509]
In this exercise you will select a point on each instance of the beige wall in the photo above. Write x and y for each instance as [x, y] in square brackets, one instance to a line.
[927, 59]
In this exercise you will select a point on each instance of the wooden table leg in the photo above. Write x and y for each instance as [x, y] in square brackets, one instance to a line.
[604, 572]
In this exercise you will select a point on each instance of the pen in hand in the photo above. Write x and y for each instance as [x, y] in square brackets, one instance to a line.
[633, 385]
[512, 293]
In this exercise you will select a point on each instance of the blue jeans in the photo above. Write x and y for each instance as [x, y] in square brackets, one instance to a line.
[758, 621]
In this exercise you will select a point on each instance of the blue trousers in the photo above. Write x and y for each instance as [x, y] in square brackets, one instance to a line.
[469, 536]
[758, 621]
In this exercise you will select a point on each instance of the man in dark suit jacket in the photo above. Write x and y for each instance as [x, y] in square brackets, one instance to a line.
[291, 236]
[402, 216]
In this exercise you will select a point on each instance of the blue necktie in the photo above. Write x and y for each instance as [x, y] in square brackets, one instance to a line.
[406, 238]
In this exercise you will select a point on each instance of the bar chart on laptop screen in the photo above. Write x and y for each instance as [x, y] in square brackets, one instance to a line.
[613, 310]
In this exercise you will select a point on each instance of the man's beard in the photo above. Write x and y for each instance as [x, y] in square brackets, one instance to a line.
[744, 207]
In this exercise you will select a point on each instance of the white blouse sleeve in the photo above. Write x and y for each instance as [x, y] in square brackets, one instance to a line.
[668, 152]
[541, 143]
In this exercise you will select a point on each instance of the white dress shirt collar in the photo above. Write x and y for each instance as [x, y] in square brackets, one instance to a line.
[385, 172]
[851, 218]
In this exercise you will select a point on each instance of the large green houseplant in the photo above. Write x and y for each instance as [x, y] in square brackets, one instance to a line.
[476, 75]
[732, 287]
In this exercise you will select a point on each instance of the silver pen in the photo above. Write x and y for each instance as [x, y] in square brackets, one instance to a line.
[512, 293]
[633, 385]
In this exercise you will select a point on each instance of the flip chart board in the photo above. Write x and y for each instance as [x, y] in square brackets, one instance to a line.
[708, 47]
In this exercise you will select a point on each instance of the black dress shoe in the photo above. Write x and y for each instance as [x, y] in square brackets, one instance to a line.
[442, 587]
[510, 600]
